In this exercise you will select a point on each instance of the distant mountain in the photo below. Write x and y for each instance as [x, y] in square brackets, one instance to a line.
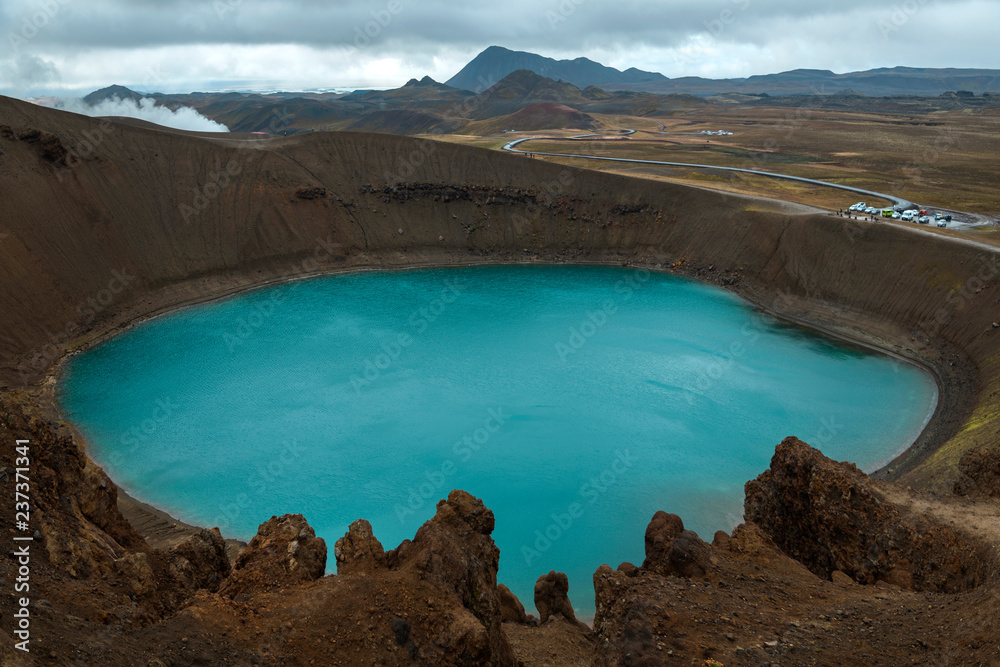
[426, 89]
[520, 89]
[883, 82]
[496, 62]
[116, 91]
[524, 88]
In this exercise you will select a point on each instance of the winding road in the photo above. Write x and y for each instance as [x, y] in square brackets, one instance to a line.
[512, 146]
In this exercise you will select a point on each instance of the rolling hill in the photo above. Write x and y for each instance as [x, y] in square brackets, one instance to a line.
[541, 116]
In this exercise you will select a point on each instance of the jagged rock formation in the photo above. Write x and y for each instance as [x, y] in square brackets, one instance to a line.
[359, 550]
[511, 609]
[284, 552]
[552, 597]
[672, 550]
[200, 563]
[830, 516]
[759, 606]
[455, 553]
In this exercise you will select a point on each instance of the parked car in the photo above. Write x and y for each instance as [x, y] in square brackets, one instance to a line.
[942, 223]
[908, 215]
[896, 216]
[871, 210]
[860, 206]
[924, 219]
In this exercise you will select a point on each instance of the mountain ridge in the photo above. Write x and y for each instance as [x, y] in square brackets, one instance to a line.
[496, 62]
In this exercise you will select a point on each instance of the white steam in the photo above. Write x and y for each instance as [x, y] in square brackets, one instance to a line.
[183, 118]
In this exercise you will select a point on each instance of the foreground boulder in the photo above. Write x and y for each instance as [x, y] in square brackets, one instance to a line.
[671, 550]
[285, 551]
[200, 562]
[359, 550]
[552, 597]
[511, 609]
[831, 516]
[455, 554]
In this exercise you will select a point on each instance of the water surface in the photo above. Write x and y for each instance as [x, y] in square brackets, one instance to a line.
[575, 401]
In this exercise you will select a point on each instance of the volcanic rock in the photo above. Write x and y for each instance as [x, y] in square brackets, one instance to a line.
[831, 516]
[200, 561]
[671, 550]
[623, 622]
[552, 597]
[285, 551]
[454, 553]
[311, 193]
[359, 550]
[660, 534]
[511, 608]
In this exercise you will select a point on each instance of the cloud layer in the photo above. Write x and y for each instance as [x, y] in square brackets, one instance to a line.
[174, 45]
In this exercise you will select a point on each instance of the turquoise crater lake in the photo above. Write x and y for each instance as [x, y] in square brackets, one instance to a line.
[575, 401]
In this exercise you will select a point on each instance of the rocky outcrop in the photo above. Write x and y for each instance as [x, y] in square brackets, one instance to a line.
[50, 146]
[552, 597]
[74, 511]
[831, 516]
[671, 550]
[200, 562]
[455, 553]
[627, 625]
[284, 552]
[311, 193]
[359, 550]
[979, 473]
[511, 609]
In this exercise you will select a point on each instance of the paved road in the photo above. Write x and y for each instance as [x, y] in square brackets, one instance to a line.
[512, 146]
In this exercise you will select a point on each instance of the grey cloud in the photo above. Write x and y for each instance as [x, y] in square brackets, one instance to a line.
[26, 70]
[744, 36]
[524, 23]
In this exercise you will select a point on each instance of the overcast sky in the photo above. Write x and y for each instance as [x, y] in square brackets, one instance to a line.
[64, 47]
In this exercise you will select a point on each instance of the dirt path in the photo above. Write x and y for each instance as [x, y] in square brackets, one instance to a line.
[980, 518]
